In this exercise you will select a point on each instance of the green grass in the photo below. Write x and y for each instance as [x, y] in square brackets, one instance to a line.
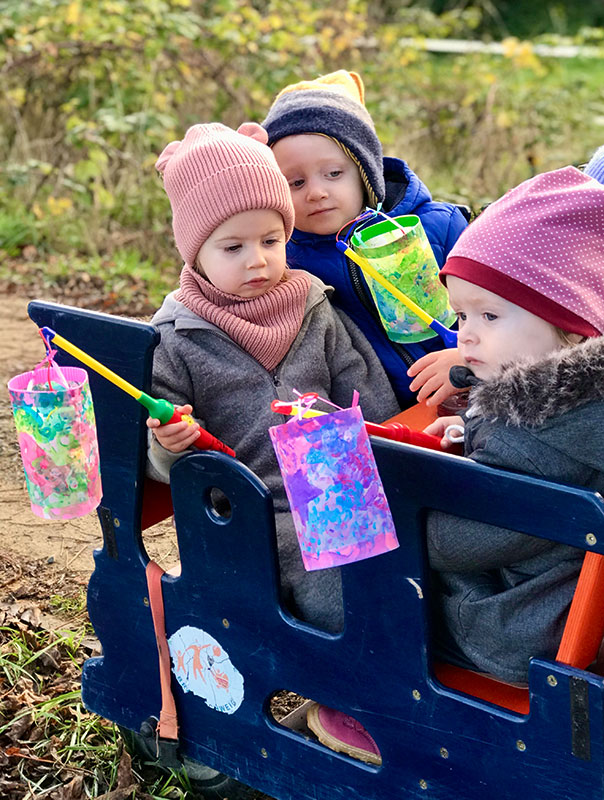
[48, 734]
[118, 280]
[17, 230]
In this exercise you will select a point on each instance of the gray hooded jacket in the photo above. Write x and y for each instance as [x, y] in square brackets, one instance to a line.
[502, 596]
[231, 394]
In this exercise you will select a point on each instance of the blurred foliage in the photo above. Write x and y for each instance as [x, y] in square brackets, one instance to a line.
[525, 20]
[92, 90]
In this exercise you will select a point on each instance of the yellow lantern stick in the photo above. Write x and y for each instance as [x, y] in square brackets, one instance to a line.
[448, 337]
[159, 409]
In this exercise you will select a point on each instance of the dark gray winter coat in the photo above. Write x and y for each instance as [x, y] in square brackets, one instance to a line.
[231, 394]
[503, 596]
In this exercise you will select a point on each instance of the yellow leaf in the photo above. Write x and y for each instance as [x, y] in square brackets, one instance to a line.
[70, 105]
[160, 101]
[525, 57]
[407, 57]
[38, 213]
[73, 13]
[58, 205]
[510, 46]
[17, 96]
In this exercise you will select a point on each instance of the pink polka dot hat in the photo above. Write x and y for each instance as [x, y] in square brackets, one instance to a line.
[541, 246]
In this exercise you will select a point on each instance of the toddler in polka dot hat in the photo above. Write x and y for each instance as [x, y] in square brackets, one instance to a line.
[541, 246]
[526, 280]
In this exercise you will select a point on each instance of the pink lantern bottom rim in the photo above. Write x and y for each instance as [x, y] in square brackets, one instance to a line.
[59, 513]
[382, 543]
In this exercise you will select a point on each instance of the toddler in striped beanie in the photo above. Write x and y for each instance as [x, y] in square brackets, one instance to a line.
[326, 144]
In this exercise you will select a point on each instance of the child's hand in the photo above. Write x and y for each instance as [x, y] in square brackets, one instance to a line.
[440, 425]
[431, 373]
[176, 436]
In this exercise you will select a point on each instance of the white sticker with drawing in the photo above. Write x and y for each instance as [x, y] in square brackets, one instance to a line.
[202, 666]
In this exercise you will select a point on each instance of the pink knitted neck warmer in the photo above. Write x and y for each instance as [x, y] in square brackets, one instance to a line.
[264, 326]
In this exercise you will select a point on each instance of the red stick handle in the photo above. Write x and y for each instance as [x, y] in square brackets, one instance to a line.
[403, 433]
[396, 431]
[205, 441]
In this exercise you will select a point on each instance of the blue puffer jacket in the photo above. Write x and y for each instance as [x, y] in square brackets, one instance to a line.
[443, 222]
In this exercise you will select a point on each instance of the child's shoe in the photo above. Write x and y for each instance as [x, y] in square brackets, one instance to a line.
[342, 733]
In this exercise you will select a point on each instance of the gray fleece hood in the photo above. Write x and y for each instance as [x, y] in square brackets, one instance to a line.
[529, 394]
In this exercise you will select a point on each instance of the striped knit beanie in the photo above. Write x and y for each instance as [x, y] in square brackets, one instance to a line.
[334, 106]
[595, 168]
[541, 246]
[215, 173]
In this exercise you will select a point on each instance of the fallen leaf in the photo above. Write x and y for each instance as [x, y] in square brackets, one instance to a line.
[19, 727]
[73, 790]
[124, 770]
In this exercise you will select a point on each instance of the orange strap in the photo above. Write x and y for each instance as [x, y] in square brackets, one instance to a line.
[167, 726]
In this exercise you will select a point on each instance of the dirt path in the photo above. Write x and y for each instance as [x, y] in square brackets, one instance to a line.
[58, 547]
[41, 559]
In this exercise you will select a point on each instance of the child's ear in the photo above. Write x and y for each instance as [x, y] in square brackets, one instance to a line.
[253, 130]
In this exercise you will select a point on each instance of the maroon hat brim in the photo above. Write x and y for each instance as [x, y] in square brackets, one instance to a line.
[518, 293]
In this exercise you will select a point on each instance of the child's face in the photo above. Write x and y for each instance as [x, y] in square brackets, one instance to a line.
[245, 255]
[494, 332]
[326, 186]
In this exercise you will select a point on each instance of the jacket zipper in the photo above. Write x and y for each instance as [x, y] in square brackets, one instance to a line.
[367, 301]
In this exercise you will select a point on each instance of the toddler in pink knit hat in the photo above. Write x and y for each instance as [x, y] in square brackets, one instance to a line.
[243, 330]
[526, 280]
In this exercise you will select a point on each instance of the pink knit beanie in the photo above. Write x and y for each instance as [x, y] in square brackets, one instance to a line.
[215, 173]
[541, 246]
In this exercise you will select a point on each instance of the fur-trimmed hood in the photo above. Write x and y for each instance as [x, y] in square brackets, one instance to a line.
[531, 393]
